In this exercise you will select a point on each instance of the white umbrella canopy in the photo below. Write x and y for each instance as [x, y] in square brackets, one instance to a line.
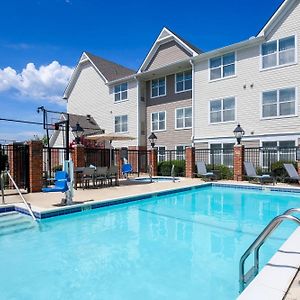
[110, 137]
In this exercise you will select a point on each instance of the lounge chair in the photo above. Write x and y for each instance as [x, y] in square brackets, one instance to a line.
[202, 171]
[292, 172]
[126, 169]
[251, 174]
[60, 185]
[88, 176]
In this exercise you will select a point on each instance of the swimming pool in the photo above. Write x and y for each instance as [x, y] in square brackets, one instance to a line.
[179, 246]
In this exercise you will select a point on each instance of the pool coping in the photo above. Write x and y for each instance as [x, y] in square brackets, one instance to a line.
[272, 282]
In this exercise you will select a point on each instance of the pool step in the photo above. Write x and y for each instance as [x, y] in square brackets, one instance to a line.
[14, 222]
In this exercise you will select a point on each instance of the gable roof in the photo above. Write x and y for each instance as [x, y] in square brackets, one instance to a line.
[110, 70]
[281, 9]
[164, 36]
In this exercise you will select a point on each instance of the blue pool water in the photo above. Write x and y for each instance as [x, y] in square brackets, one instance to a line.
[178, 246]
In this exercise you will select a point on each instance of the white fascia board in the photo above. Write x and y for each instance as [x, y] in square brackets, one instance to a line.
[277, 14]
[75, 72]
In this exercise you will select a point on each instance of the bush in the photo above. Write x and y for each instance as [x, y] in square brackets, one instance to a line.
[57, 168]
[223, 171]
[278, 169]
[164, 167]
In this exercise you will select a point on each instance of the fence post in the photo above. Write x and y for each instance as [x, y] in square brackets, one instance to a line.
[238, 162]
[190, 162]
[35, 166]
[118, 162]
[153, 161]
[79, 157]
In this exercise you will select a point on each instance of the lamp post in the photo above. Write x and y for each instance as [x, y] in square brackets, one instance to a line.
[152, 138]
[77, 131]
[238, 133]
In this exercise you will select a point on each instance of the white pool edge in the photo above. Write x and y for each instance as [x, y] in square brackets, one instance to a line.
[274, 280]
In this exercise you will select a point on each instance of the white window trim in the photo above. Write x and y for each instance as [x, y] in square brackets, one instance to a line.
[222, 147]
[160, 146]
[157, 112]
[175, 81]
[261, 69]
[226, 122]
[183, 128]
[153, 97]
[222, 77]
[114, 126]
[181, 145]
[122, 100]
[278, 116]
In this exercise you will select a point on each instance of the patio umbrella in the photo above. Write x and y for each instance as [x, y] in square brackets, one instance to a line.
[110, 137]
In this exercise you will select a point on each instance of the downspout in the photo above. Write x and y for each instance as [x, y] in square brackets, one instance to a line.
[193, 102]
[137, 111]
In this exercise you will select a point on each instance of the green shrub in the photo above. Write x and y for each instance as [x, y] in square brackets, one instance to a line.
[164, 167]
[223, 171]
[278, 169]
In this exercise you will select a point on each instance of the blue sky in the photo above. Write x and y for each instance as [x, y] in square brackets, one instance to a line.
[34, 33]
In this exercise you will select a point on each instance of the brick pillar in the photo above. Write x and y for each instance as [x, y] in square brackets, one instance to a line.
[153, 161]
[133, 157]
[190, 162]
[238, 162]
[79, 156]
[118, 162]
[35, 166]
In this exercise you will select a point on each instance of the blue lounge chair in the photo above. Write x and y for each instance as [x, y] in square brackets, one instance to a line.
[126, 169]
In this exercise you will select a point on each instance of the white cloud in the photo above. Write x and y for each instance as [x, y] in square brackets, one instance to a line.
[43, 83]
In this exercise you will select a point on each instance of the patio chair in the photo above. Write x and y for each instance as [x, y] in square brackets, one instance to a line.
[112, 173]
[88, 175]
[251, 174]
[100, 175]
[202, 171]
[60, 185]
[126, 169]
[292, 172]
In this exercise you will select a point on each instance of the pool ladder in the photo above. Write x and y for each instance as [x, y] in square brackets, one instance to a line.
[245, 279]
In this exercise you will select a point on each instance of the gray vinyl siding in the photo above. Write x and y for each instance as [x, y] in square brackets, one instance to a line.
[248, 99]
[166, 54]
[91, 96]
[171, 137]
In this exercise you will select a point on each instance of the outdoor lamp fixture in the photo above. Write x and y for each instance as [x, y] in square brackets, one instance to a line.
[77, 132]
[238, 132]
[152, 138]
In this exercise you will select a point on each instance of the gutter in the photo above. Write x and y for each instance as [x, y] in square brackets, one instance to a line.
[137, 110]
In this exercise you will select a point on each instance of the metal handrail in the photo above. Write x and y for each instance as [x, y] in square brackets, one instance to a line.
[244, 279]
[23, 199]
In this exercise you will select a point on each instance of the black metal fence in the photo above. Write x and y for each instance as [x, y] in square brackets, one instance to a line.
[167, 158]
[214, 157]
[264, 157]
[15, 159]
[99, 157]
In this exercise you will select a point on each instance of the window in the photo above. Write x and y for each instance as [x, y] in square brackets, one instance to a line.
[274, 151]
[158, 87]
[121, 123]
[158, 121]
[180, 152]
[222, 66]
[161, 153]
[222, 154]
[279, 52]
[222, 110]
[279, 103]
[184, 81]
[183, 117]
[120, 91]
